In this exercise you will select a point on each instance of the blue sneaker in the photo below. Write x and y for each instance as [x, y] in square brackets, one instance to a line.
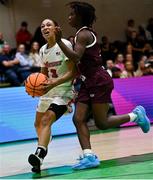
[87, 161]
[142, 120]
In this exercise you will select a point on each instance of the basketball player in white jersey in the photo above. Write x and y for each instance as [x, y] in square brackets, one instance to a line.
[52, 105]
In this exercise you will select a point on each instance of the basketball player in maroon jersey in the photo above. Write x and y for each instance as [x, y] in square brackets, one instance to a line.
[96, 87]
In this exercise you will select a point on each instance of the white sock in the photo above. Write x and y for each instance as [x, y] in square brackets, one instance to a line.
[51, 137]
[43, 147]
[87, 151]
[133, 116]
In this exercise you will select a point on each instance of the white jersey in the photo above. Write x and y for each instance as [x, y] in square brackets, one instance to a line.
[55, 61]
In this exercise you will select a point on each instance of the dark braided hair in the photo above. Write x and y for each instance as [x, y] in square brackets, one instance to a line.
[85, 11]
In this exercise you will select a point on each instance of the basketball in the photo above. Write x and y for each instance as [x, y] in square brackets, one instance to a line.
[33, 84]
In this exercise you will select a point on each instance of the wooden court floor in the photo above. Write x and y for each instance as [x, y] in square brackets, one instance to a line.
[119, 150]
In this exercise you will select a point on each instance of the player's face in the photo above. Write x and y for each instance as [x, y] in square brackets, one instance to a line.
[73, 19]
[47, 29]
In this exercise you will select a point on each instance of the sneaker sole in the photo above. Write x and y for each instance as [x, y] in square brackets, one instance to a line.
[86, 167]
[81, 168]
[36, 170]
[33, 160]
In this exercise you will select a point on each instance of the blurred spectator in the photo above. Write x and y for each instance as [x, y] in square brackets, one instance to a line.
[150, 26]
[147, 49]
[148, 68]
[130, 28]
[149, 64]
[24, 61]
[2, 42]
[23, 36]
[109, 66]
[9, 66]
[142, 32]
[129, 70]
[150, 57]
[105, 49]
[119, 62]
[37, 37]
[141, 66]
[128, 49]
[120, 46]
[133, 38]
[22, 56]
[138, 44]
[129, 57]
[113, 50]
[34, 57]
[116, 72]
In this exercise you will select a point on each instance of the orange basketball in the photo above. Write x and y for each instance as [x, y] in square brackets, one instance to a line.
[33, 82]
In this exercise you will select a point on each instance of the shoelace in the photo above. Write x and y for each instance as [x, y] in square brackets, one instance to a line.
[80, 157]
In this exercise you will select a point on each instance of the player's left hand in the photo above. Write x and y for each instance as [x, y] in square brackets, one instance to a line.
[58, 33]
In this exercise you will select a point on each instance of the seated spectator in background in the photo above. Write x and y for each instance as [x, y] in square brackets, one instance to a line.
[147, 49]
[109, 66]
[150, 57]
[34, 57]
[149, 64]
[24, 62]
[148, 68]
[119, 62]
[22, 56]
[141, 66]
[129, 70]
[37, 37]
[23, 36]
[116, 72]
[9, 66]
[128, 49]
[129, 57]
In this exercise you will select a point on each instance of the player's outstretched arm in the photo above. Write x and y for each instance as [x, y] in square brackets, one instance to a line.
[79, 48]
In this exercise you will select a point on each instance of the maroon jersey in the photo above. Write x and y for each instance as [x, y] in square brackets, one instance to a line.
[90, 65]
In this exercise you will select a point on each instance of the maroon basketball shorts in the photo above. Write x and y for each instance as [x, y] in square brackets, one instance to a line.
[95, 94]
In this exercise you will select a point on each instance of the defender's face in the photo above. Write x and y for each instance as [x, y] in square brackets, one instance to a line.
[47, 28]
[73, 18]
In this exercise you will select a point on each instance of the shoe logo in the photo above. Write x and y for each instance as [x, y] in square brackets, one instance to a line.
[58, 53]
[38, 152]
[92, 95]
